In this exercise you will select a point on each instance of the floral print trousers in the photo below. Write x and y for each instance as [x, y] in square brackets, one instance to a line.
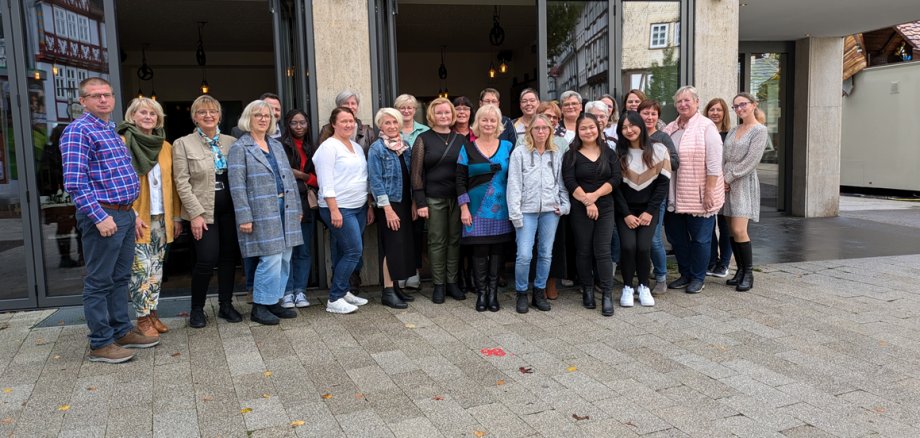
[147, 270]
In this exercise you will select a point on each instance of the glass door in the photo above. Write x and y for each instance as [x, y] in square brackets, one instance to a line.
[383, 53]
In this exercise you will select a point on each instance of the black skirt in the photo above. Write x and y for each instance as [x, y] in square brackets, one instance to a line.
[398, 247]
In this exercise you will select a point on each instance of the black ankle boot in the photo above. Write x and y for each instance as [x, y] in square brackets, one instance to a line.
[746, 267]
[437, 295]
[229, 313]
[262, 315]
[455, 292]
[480, 280]
[607, 303]
[196, 318]
[281, 312]
[587, 297]
[401, 294]
[522, 306]
[390, 299]
[539, 299]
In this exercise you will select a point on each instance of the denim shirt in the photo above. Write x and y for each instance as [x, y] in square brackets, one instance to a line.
[384, 174]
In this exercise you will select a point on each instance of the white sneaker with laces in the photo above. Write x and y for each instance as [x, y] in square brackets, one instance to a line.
[645, 296]
[350, 298]
[300, 300]
[626, 299]
[287, 301]
[340, 306]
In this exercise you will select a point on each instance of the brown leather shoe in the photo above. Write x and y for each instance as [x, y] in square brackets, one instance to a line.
[146, 328]
[111, 354]
[136, 339]
[157, 324]
[551, 292]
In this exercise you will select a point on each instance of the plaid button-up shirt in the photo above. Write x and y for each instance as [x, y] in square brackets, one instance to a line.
[97, 166]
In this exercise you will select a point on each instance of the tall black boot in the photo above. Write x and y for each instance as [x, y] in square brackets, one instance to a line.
[480, 281]
[390, 299]
[587, 297]
[495, 270]
[607, 303]
[747, 267]
[738, 272]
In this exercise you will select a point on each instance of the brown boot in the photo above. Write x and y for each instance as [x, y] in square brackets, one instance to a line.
[136, 339]
[551, 292]
[111, 354]
[157, 324]
[146, 328]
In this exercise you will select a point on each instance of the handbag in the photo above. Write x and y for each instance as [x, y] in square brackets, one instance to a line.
[312, 200]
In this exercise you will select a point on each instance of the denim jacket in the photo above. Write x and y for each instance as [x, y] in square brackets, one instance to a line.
[384, 174]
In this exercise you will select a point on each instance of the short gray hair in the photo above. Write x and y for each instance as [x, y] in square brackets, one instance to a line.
[244, 123]
[597, 105]
[345, 95]
[687, 89]
[387, 112]
[569, 94]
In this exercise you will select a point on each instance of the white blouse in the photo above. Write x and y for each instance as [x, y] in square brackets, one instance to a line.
[342, 174]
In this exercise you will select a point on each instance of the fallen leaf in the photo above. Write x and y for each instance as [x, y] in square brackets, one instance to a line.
[7, 421]
[207, 398]
[90, 388]
[579, 418]
[245, 410]
[176, 354]
[630, 423]
[267, 374]
[438, 398]
[879, 409]
[499, 352]
[326, 396]
[359, 396]
[56, 356]
[526, 370]
[40, 341]
[410, 325]
[266, 395]
[183, 314]
[297, 423]
[500, 382]
[7, 390]
[882, 344]
[572, 369]
[64, 408]
[479, 434]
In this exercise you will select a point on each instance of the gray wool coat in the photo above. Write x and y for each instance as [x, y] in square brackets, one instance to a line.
[255, 198]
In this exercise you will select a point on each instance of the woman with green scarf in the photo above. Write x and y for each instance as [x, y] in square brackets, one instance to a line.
[156, 207]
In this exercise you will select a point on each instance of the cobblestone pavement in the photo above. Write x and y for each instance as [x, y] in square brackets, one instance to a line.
[817, 349]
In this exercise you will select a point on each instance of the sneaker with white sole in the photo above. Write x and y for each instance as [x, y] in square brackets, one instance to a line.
[300, 300]
[719, 271]
[287, 301]
[626, 299]
[645, 296]
[350, 298]
[340, 306]
[413, 282]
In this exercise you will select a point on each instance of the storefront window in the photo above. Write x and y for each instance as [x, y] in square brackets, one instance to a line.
[578, 48]
[650, 60]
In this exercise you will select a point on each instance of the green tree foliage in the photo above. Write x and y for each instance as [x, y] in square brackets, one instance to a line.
[664, 78]
[561, 19]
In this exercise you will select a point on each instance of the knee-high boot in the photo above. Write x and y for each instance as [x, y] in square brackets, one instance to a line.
[738, 271]
[746, 268]
[480, 276]
[495, 271]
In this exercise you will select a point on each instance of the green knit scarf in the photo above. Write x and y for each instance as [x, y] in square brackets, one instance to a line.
[144, 148]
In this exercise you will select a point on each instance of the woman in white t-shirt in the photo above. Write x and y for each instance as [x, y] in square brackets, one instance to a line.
[341, 171]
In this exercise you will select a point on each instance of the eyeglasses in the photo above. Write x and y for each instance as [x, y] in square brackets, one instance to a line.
[262, 116]
[551, 116]
[404, 109]
[540, 128]
[741, 105]
[570, 104]
[97, 96]
[211, 112]
[463, 109]
[523, 101]
[297, 123]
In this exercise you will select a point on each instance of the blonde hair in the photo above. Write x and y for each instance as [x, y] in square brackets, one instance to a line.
[405, 100]
[137, 103]
[206, 100]
[387, 112]
[245, 118]
[484, 111]
[429, 114]
[528, 135]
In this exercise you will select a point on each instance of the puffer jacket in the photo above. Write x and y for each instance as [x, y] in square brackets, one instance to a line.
[535, 184]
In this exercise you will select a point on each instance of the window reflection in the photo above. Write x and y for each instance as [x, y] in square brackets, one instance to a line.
[651, 51]
[578, 48]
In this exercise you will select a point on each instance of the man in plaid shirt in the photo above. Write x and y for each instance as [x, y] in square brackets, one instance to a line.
[103, 185]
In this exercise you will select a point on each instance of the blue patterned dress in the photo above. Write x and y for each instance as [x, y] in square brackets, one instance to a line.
[482, 182]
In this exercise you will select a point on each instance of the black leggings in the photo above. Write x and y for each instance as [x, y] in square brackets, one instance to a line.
[592, 244]
[218, 247]
[636, 251]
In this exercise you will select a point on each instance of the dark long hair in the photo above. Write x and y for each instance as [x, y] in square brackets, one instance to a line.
[576, 144]
[623, 143]
[287, 138]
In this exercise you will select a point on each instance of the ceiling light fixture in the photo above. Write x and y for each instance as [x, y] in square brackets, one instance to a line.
[202, 59]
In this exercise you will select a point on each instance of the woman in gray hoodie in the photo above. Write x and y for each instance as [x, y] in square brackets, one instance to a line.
[536, 199]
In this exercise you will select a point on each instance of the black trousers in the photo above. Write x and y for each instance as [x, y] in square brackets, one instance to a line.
[636, 251]
[592, 244]
[217, 247]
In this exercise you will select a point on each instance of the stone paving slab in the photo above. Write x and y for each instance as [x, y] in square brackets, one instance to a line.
[828, 348]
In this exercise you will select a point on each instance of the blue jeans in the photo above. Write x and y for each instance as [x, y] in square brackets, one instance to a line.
[270, 277]
[721, 244]
[347, 247]
[543, 227]
[690, 237]
[108, 273]
[334, 248]
[302, 257]
[659, 257]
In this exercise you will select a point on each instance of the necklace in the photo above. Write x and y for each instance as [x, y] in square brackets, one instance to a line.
[447, 139]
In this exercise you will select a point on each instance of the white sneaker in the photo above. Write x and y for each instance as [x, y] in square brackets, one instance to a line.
[626, 299]
[340, 306]
[412, 282]
[566, 283]
[287, 301]
[352, 299]
[645, 296]
[300, 300]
